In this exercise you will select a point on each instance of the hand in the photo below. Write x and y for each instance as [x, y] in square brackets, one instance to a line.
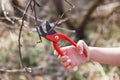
[73, 56]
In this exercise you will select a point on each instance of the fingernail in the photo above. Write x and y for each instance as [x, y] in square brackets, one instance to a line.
[69, 60]
[59, 56]
[68, 68]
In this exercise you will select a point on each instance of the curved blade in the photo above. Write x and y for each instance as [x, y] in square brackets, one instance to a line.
[43, 34]
[48, 28]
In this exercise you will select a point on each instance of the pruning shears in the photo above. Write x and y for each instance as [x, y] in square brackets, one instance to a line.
[55, 37]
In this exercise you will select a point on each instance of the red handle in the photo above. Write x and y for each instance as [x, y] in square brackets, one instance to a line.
[55, 38]
[62, 54]
[73, 43]
[62, 36]
[85, 52]
[58, 49]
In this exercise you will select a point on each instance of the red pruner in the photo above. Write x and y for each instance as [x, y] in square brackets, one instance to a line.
[55, 37]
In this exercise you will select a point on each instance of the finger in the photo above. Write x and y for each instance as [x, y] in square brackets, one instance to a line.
[60, 57]
[80, 46]
[63, 49]
[64, 58]
[86, 51]
[55, 53]
[68, 68]
[83, 47]
[67, 63]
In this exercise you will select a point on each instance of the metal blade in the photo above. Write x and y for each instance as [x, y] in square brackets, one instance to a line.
[43, 34]
[48, 28]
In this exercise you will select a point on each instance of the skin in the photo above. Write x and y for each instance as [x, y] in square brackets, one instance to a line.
[109, 56]
[74, 56]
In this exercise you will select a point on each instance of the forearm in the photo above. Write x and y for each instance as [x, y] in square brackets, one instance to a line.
[105, 55]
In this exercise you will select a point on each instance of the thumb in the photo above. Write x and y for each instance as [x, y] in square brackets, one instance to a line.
[55, 53]
[80, 46]
[83, 47]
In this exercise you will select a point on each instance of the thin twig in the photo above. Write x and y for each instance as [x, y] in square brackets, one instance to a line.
[37, 3]
[31, 8]
[89, 13]
[63, 14]
[6, 13]
[70, 3]
[20, 70]
[80, 31]
[22, 24]
[60, 17]
[36, 21]
[21, 10]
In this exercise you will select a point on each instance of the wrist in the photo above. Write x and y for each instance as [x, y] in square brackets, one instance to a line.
[92, 51]
[83, 49]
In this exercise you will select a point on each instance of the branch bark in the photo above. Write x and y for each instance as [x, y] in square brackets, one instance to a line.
[60, 11]
[80, 32]
[20, 32]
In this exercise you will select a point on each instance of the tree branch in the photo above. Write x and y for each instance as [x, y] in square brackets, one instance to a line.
[23, 70]
[80, 31]
[19, 41]
[60, 11]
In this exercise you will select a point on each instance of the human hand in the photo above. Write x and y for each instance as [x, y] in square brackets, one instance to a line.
[73, 56]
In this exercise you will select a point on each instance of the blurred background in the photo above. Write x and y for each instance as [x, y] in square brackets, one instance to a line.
[95, 21]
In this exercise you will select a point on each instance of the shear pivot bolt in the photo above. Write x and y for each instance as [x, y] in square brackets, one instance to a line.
[56, 37]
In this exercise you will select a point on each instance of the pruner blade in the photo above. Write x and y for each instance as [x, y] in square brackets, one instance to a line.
[49, 30]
